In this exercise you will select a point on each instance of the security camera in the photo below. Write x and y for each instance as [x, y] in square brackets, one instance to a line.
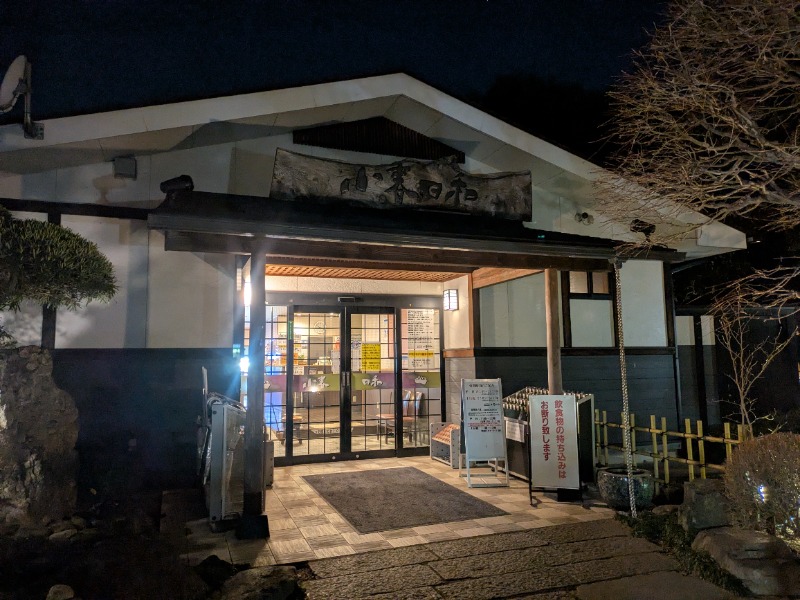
[639, 226]
[182, 183]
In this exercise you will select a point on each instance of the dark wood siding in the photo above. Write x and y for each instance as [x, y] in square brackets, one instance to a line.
[651, 383]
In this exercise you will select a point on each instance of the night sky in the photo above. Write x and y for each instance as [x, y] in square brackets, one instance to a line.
[91, 56]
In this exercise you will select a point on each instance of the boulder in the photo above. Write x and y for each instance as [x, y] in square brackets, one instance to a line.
[763, 563]
[38, 432]
[261, 583]
[60, 592]
[215, 571]
[704, 505]
[665, 509]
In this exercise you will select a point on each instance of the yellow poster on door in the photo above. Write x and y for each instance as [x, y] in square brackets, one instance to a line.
[370, 357]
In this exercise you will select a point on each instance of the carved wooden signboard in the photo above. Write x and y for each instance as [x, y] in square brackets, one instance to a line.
[439, 184]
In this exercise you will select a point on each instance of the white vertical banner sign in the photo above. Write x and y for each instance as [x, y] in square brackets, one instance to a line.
[554, 441]
[484, 426]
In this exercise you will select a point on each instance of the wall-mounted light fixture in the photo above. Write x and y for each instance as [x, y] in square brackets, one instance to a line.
[450, 299]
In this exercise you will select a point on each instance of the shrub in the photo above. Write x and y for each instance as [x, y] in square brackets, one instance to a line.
[762, 482]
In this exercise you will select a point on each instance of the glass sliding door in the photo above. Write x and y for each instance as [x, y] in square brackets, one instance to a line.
[373, 379]
[348, 381]
[316, 389]
[421, 373]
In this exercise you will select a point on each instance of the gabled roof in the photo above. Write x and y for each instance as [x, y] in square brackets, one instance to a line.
[491, 143]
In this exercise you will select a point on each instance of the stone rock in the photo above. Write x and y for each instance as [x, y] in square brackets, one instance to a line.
[261, 583]
[665, 509]
[215, 571]
[32, 531]
[38, 432]
[78, 522]
[63, 536]
[764, 563]
[704, 505]
[62, 526]
[60, 592]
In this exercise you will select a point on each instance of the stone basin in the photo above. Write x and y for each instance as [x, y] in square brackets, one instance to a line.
[612, 483]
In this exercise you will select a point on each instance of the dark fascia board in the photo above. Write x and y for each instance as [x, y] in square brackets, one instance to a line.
[75, 208]
[325, 220]
[379, 256]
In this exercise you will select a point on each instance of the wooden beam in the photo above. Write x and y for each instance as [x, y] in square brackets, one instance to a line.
[554, 381]
[486, 276]
[473, 312]
[384, 256]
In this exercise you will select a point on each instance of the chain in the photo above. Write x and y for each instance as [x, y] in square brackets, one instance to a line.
[623, 371]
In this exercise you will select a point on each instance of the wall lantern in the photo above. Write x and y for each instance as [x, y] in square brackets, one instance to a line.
[450, 298]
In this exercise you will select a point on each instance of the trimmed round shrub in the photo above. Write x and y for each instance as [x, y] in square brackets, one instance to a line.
[762, 483]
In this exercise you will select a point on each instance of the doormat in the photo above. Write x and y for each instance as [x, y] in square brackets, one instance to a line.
[397, 498]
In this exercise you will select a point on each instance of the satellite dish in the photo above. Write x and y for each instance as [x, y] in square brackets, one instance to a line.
[16, 83]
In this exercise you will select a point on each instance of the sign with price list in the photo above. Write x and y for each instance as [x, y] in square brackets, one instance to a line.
[483, 423]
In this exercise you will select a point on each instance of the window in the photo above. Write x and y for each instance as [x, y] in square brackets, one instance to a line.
[588, 309]
[589, 284]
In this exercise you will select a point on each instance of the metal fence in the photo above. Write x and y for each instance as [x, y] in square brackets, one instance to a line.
[693, 441]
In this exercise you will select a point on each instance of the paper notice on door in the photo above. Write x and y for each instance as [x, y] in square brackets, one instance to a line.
[370, 357]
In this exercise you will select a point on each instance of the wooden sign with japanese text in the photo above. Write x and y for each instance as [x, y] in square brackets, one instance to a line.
[554, 441]
[439, 184]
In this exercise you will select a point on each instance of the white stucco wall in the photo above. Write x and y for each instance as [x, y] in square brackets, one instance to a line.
[190, 298]
[513, 313]
[121, 322]
[456, 322]
[643, 306]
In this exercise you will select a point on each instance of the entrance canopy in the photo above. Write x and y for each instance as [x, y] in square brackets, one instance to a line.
[328, 233]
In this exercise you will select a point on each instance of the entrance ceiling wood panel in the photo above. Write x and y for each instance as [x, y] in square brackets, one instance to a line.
[350, 273]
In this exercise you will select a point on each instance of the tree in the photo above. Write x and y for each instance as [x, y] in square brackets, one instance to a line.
[707, 127]
[49, 265]
[709, 119]
[736, 314]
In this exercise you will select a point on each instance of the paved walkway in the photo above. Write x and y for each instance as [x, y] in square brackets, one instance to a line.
[547, 551]
[303, 526]
[587, 561]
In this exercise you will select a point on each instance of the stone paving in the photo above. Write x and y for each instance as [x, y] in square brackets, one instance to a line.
[303, 526]
[582, 561]
[548, 551]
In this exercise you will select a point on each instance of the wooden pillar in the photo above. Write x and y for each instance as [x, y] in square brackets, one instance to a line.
[554, 383]
[254, 521]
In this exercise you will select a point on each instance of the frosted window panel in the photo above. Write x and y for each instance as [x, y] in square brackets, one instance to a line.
[600, 283]
[592, 323]
[578, 283]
